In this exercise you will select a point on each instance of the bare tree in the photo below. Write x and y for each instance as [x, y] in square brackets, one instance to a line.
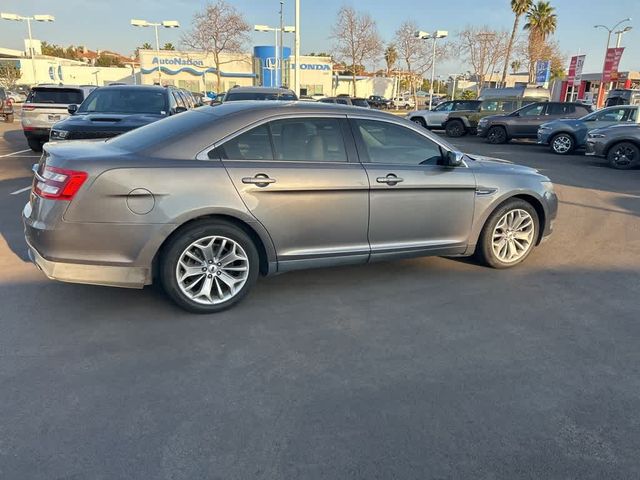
[220, 28]
[9, 75]
[356, 39]
[528, 53]
[484, 49]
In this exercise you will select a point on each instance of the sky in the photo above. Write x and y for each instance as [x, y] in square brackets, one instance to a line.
[104, 24]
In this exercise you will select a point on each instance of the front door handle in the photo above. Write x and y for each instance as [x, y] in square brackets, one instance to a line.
[390, 179]
[259, 180]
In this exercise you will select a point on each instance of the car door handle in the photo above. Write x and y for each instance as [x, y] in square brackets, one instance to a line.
[390, 179]
[259, 180]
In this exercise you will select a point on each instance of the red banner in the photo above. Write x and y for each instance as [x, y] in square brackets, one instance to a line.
[571, 74]
[574, 76]
[611, 63]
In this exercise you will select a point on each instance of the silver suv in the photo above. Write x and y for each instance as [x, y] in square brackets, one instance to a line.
[207, 200]
[46, 105]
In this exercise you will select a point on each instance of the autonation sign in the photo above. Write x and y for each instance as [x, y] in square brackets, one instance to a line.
[177, 61]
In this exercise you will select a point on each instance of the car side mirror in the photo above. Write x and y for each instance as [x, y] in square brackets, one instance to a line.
[454, 159]
[72, 109]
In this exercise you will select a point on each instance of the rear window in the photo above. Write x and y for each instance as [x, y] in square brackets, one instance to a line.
[233, 96]
[125, 100]
[64, 96]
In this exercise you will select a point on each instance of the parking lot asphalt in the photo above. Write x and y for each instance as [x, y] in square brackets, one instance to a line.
[418, 369]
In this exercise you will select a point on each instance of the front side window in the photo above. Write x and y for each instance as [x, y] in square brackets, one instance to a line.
[532, 111]
[393, 144]
[499, 106]
[561, 109]
[613, 115]
[444, 107]
[342, 101]
[254, 144]
[308, 139]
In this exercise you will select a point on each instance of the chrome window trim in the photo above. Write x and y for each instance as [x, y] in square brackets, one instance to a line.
[204, 153]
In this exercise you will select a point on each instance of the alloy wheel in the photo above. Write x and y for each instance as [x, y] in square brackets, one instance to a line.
[562, 144]
[513, 236]
[623, 156]
[212, 270]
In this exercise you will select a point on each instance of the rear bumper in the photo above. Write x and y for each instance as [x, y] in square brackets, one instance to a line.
[106, 275]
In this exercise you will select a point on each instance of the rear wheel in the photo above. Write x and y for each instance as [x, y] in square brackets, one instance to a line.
[623, 156]
[562, 144]
[35, 144]
[509, 235]
[455, 128]
[497, 135]
[419, 121]
[209, 267]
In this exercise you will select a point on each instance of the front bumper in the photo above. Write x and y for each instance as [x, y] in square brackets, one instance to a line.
[594, 148]
[544, 137]
[482, 130]
[37, 133]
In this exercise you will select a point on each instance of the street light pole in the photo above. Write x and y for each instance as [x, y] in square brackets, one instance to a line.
[276, 30]
[609, 32]
[155, 25]
[297, 50]
[619, 33]
[425, 36]
[281, 46]
[37, 18]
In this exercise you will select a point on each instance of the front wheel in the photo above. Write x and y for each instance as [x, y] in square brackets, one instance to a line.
[419, 121]
[509, 235]
[497, 135]
[623, 156]
[455, 128]
[209, 267]
[562, 144]
[34, 144]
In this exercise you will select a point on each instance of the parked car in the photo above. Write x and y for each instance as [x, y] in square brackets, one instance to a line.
[435, 118]
[619, 144]
[46, 105]
[291, 191]
[403, 102]
[112, 110]
[6, 107]
[376, 101]
[524, 123]
[493, 101]
[16, 97]
[622, 96]
[346, 100]
[259, 93]
[565, 136]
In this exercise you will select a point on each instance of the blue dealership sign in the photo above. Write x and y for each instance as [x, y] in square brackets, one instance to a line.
[543, 71]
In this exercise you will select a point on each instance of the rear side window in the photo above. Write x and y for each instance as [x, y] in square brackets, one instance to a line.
[327, 100]
[308, 139]
[466, 106]
[254, 144]
[360, 102]
[64, 96]
[561, 109]
[342, 101]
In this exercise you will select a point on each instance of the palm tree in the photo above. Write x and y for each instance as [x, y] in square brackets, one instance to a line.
[515, 66]
[541, 22]
[390, 57]
[146, 46]
[168, 46]
[519, 8]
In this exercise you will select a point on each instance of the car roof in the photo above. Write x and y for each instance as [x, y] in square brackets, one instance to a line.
[258, 109]
[259, 90]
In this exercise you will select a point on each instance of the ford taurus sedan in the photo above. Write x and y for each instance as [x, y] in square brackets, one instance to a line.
[206, 201]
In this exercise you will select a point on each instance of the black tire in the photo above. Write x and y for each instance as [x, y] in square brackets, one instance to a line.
[497, 135]
[484, 251]
[455, 128]
[35, 144]
[419, 121]
[624, 156]
[173, 250]
[562, 144]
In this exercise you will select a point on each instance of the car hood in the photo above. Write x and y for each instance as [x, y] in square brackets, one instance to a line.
[619, 129]
[500, 164]
[106, 121]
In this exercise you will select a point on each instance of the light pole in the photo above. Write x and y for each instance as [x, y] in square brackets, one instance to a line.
[276, 30]
[425, 36]
[619, 33]
[455, 79]
[155, 25]
[296, 48]
[610, 31]
[37, 18]
[281, 45]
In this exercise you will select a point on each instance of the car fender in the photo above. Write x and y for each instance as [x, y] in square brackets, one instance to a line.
[615, 141]
[464, 120]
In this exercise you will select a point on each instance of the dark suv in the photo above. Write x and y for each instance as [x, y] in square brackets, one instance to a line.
[524, 123]
[115, 109]
[376, 101]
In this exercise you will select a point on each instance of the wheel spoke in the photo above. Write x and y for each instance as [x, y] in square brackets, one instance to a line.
[190, 271]
[513, 235]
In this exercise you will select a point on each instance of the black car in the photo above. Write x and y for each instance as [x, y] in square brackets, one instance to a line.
[347, 100]
[524, 123]
[376, 101]
[115, 109]
[258, 93]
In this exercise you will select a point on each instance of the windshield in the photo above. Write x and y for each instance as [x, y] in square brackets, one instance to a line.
[65, 96]
[233, 96]
[134, 100]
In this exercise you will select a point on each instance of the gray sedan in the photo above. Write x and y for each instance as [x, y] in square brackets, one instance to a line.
[206, 201]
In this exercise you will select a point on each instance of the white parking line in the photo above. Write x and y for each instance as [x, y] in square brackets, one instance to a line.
[15, 153]
[21, 190]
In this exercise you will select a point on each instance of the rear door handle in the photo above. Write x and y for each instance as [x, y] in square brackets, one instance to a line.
[390, 179]
[259, 180]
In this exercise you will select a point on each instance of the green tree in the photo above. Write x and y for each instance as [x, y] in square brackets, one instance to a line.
[541, 22]
[390, 57]
[168, 46]
[9, 75]
[519, 8]
[515, 66]
[146, 46]
[466, 95]
[108, 61]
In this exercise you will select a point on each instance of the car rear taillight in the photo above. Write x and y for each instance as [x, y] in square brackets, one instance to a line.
[58, 184]
[9, 102]
[27, 108]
